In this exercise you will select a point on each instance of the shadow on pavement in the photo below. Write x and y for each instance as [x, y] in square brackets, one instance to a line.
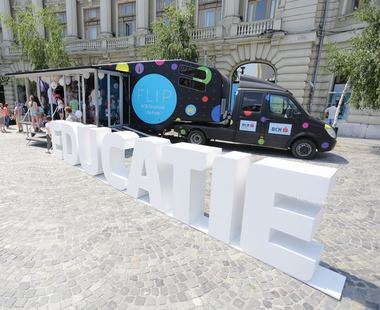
[359, 290]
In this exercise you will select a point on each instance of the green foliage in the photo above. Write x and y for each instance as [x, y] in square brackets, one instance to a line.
[172, 39]
[361, 62]
[41, 52]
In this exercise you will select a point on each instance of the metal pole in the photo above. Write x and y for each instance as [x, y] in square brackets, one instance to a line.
[84, 101]
[96, 98]
[64, 91]
[38, 88]
[109, 98]
[50, 101]
[121, 100]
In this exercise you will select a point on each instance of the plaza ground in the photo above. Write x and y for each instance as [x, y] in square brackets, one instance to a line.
[69, 241]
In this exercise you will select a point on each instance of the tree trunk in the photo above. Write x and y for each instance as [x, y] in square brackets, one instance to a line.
[340, 103]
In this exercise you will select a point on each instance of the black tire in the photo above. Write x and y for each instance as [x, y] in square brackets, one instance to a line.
[304, 149]
[196, 137]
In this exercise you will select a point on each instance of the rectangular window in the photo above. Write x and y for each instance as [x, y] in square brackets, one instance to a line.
[61, 17]
[91, 14]
[92, 23]
[192, 84]
[92, 32]
[126, 18]
[260, 10]
[251, 103]
[161, 4]
[281, 105]
[210, 13]
[192, 72]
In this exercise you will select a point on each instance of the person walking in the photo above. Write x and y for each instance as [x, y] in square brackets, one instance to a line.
[330, 114]
[48, 134]
[18, 115]
[33, 108]
[61, 107]
[6, 115]
[2, 119]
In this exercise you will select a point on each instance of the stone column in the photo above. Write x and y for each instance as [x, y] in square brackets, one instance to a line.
[231, 17]
[142, 20]
[72, 19]
[5, 10]
[105, 18]
[142, 16]
[231, 10]
[38, 6]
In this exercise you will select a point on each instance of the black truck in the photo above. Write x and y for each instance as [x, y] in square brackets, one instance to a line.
[157, 97]
[194, 101]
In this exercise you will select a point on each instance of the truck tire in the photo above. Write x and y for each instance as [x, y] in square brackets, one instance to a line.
[196, 137]
[304, 149]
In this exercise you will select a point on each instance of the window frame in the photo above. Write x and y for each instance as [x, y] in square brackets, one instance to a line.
[216, 6]
[125, 19]
[242, 105]
[290, 102]
[270, 9]
[91, 22]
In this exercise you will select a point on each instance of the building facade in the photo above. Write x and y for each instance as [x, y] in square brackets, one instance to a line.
[288, 35]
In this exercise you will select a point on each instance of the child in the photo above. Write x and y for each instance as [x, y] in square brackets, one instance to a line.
[2, 119]
[48, 134]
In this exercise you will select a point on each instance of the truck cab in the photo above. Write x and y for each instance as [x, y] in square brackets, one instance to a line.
[267, 115]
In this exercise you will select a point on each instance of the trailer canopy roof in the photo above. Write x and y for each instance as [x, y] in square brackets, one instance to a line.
[62, 71]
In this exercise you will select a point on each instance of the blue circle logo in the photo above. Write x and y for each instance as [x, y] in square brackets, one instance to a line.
[154, 99]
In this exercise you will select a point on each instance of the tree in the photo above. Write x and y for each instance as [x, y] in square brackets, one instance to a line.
[172, 37]
[41, 52]
[360, 63]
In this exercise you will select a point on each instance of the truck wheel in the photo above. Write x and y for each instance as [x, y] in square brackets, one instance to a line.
[196, 137]
[304, 149]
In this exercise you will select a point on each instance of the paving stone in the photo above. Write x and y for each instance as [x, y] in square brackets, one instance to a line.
[99, 247]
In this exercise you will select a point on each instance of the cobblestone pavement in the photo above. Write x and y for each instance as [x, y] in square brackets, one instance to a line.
[68, 241]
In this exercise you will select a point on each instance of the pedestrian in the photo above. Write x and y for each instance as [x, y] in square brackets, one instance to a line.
[48, 134]
[61, 107]
[6, 115]
[2, 119]
[70, 115]
[33, 109]
[330, 114]
[17, 112]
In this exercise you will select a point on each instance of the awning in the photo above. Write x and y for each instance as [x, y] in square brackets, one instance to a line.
[64, 71]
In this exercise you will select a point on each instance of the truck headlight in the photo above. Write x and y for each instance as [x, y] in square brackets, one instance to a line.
[330, 131]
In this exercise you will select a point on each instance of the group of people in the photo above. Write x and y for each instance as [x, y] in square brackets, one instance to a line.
[64, 111]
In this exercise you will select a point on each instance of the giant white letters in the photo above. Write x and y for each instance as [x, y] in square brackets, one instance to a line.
[113, 157]
[273, 205]
[70, 142]
[189, 178]
[149, 173]
[229, 174]
[56, 138]
[282, 213]
[91, 138]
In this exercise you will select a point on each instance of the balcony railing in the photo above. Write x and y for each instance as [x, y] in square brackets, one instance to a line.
[150, 39]
[100, 44]
[203, 33]
[254, 28]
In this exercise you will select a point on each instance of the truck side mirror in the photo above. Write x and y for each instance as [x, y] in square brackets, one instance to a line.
[289, 113]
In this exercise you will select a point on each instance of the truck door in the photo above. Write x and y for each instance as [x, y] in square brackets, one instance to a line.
[248, 111]
[283, 120]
